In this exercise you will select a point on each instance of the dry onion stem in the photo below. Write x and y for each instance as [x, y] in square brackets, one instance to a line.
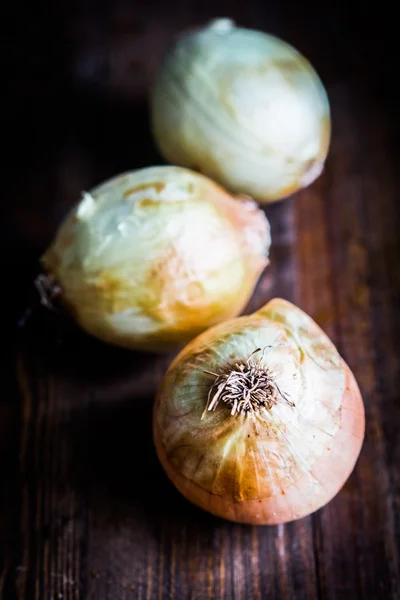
[274, 435]
[246, 387]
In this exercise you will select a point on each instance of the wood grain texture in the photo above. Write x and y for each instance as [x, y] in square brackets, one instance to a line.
[85, 510]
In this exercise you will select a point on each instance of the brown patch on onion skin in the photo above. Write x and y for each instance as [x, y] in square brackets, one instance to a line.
[326, 131]
[157, 186]
[301, 180]
[147, 202]
[108, 284]
[179, 322]
[290, 68]
[294, 186]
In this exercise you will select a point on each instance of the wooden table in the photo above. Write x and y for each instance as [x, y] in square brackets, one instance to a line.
[86, 511]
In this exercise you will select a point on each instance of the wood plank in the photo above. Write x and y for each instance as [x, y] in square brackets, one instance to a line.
[85, 509]
[339, 263]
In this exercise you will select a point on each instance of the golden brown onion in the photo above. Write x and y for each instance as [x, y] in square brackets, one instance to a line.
[259, 420]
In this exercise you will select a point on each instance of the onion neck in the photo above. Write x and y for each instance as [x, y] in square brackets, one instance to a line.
[245, 388]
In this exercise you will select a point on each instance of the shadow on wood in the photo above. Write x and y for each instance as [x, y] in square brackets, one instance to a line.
[104, 431]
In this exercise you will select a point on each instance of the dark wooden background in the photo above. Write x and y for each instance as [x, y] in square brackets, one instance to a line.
[86, 512]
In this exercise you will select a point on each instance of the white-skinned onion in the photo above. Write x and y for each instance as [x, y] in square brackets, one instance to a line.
[151, 258]
[244, 108]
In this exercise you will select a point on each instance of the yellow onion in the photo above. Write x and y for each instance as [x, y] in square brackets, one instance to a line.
[244, 108]
[259, 420]
[151, 258]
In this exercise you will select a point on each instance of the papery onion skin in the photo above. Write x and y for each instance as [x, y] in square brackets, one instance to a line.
[244, 108]
[279, 465]
[151, 258]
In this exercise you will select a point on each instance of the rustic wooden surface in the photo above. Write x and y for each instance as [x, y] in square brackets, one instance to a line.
[86, 512]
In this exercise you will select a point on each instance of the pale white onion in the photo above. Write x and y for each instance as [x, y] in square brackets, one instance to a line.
[244, 108]
[151, 258]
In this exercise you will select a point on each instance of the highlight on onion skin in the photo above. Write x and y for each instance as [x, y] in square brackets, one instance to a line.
[243, 107]
[259, 420]
[151, 258]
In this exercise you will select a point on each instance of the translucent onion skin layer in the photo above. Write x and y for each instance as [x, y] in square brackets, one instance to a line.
[282, 464]
[244, 108]
[151, 258]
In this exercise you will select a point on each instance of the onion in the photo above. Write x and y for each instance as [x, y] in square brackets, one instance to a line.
[259, 420]
[244, 108]
[151, 258]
